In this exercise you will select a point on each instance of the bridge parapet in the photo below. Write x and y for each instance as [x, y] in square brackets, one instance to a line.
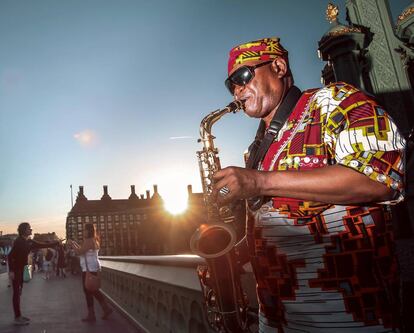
[158, 293]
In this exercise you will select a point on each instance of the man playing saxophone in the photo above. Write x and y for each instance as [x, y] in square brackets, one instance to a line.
[319, 237]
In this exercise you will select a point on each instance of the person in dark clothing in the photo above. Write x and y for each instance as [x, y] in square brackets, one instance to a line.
[61, 261]
[17, 260]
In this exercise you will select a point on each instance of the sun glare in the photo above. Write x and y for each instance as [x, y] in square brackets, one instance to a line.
[175, 202]
[172, 185]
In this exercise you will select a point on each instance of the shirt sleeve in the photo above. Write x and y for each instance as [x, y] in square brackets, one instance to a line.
[34, 245]
[364, 138]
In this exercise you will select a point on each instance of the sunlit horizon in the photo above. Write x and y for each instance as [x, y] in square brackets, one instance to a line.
[172, 188]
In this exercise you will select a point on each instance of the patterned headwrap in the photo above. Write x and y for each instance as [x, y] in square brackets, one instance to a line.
[261, 49]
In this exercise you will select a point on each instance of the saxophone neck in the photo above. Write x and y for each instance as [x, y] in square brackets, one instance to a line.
[209, 120]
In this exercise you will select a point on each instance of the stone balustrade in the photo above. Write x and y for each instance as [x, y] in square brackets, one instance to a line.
[158, 293]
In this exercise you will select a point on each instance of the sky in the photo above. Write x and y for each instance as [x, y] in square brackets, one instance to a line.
[112, 92]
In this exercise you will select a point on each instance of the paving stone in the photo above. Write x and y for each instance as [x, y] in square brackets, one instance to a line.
[55, 306]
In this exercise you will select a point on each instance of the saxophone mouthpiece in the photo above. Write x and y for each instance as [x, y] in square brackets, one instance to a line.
[236, 105]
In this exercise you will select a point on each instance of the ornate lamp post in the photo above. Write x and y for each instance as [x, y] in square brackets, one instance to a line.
[374, 55]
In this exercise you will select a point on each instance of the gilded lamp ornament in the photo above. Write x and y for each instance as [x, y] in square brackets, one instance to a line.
[332, 13]
[338, 29]
[406, 13]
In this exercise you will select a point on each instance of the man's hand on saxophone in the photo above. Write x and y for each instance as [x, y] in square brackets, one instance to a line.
[241, 184]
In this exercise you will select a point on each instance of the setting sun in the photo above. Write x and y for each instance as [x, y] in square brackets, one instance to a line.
[172, 185]
[175, 202]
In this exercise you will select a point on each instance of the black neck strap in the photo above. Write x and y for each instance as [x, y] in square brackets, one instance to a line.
[262, 141]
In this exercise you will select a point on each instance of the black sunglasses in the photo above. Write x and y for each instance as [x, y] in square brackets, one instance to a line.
[242, 76]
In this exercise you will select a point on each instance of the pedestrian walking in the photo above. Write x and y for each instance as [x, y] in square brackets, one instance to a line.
[48, 262]
[61, 261]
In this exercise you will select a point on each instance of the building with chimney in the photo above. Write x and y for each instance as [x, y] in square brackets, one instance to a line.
[138, 225]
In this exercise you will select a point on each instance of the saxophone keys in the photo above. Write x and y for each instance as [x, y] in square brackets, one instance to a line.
[218, 318]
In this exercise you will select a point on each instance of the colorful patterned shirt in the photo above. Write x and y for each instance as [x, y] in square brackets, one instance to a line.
[323, 267]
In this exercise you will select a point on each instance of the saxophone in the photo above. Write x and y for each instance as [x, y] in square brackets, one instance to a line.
[226, 303]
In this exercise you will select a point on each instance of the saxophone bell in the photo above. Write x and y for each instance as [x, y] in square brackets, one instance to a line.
[213, 240]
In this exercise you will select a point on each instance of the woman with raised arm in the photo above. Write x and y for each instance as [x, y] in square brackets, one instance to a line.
[88, 254]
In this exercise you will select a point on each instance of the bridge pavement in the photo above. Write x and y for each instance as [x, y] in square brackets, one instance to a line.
[55, 306]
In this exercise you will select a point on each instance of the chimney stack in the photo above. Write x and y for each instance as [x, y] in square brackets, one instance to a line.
[133, 195]
[142, 196]
[155, 189]
[148, 194]
[189, 189]
[81, 195]
[105, 195]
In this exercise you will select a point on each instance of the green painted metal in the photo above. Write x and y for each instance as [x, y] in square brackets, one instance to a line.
[375, 59]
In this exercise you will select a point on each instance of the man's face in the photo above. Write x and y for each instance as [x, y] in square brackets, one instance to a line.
[262, 94]
[28, 231]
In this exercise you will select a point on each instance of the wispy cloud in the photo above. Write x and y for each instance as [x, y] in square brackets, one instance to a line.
[86, 138]
[184, 137]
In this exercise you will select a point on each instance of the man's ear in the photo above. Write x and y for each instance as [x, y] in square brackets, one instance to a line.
[279, 66]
